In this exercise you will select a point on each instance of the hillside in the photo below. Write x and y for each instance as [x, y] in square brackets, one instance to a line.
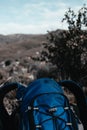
[19, 45]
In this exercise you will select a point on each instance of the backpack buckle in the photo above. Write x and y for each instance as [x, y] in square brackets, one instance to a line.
[38, 126]
[66, 108]
[53, 109]
[35, 108]
[28, 109]
[69, 124]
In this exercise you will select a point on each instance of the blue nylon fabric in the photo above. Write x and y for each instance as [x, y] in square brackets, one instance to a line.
[39, 86]
[58, 101]
[20, 92]
[40, 117]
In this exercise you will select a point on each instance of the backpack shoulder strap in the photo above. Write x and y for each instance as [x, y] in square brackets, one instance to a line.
[7, 121]
[80, 98]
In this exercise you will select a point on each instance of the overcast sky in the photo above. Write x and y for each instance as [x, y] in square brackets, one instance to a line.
[34, 16]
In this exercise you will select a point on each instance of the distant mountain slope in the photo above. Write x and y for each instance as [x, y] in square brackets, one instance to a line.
[18, 38]
[20, 45]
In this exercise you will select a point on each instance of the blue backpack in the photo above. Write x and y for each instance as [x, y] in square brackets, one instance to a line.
[45, 107]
